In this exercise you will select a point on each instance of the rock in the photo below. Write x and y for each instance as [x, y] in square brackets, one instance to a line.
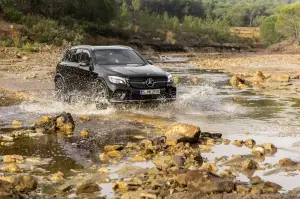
[103, 170]
[46, 119]
[87, 187]
[138, 158]
[270, 187]
[131, 195]
[259, 77]
[132, 145]
[179, 132]
[148, 196]
[16, 123]
[7, 191]
[250, 143]
[84, 118]
[238, 143]
[205, 148]
[258, 150]
[115, 154]
[210, 142]
[6, 138]
[25, 183]
[57, 177]
[84, 133]
[286, 162]
[33, 159]
[205, 182]
[178, 160]
[162, 162]
[125, 186]
[249, 165]
[65, 123]
[269, 148]
[256, 190]
[241, 188]
[238, 82]
[11, 168]
[279, 78]
[104, 157]
[146, 144]
[209, 167]
[13, 159]
[113, 148]
[226, 141]
[255, 180]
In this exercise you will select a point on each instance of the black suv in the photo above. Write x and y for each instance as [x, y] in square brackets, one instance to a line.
[115, 73]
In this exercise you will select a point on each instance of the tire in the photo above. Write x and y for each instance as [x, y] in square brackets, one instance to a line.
[61, 90]
[100, 95]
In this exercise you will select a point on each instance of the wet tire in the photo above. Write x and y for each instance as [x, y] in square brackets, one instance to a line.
[61, 90]
[100, 95]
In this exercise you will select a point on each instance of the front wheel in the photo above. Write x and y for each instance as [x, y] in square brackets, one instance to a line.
[61, 90]
[100, 95]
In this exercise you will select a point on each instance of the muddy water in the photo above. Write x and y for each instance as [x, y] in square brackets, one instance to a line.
[209, 103]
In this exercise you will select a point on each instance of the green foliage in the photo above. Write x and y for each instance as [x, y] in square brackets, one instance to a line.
[288, 22]
[30, 47]
[13, 15]
[268, 32]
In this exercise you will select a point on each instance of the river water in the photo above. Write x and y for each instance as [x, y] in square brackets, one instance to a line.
[208, 102]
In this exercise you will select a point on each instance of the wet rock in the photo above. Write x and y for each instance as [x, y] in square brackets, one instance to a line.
[209, 167]
[25, 183]
[132, 145]
[57, 177]
[65, 123]
[241, 188]
[138, 158]
[258, 150]
[84, 133]
[131, 195]
[125, 186]
[11, 168]
[210, 142]
[286, 162]
[104, 157]
[259, 77]
[226, 141]
[148, 196]
[205, 182]
[250, 143]
[178, 160]
[162, 162]
[255, 180]
[16, 123]
[205, 148]
[115, 154]
[113, 148]
[84, 118]
[147, 144]
[238, 143]
[270, 187]
[238, 82]
[270, 148]
[179, 132]
[279, 78]
[103, 170]
[87, 187]
[7, 191]
[6, 138]
[13, 159]
[33, 160]
[249, 165]
[255, 190]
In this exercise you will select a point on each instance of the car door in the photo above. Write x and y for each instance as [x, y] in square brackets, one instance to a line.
[84, 73]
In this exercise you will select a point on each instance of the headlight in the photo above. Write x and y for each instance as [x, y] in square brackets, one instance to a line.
[170, 78]
[117, 80]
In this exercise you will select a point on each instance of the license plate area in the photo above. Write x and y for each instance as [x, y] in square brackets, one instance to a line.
[150, 92]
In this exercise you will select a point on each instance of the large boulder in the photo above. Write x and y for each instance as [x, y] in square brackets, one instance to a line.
[238, 82]
[87, 187]
[65, 123]
[179, 132]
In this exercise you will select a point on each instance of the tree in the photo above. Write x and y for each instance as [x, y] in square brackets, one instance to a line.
[268, 32]
[288, 22]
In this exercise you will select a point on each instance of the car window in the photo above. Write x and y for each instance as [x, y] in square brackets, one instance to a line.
[117, 57]
[67, 56]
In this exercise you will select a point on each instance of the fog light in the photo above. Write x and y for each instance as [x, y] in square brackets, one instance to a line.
[119, 95]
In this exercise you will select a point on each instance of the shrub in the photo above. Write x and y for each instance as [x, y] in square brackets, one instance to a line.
[12, 14]
[268, 33]
[30, 47]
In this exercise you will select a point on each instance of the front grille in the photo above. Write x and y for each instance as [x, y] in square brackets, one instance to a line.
[140, 82]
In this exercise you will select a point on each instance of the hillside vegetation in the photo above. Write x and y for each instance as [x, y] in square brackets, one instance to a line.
[183, 22]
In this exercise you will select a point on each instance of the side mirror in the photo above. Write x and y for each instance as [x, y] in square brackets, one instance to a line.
[84, 63]
[150, 62]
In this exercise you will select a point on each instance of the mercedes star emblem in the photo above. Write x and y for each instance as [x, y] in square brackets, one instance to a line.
[150, 82]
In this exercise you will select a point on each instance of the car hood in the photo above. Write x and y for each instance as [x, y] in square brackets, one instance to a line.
[132, 71]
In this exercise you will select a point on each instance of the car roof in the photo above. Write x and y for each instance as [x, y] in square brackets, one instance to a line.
[88, 47]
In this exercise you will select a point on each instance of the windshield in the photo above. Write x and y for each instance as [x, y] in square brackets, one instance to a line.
[117, 57]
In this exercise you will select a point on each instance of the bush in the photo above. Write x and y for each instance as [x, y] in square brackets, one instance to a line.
[12, 14]
[30, 47]
[268, 33]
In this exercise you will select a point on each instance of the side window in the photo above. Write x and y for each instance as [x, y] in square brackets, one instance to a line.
[67, 56]
[75, 55]
[85, 56]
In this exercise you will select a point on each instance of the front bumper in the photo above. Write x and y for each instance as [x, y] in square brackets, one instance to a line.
[124, 93]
